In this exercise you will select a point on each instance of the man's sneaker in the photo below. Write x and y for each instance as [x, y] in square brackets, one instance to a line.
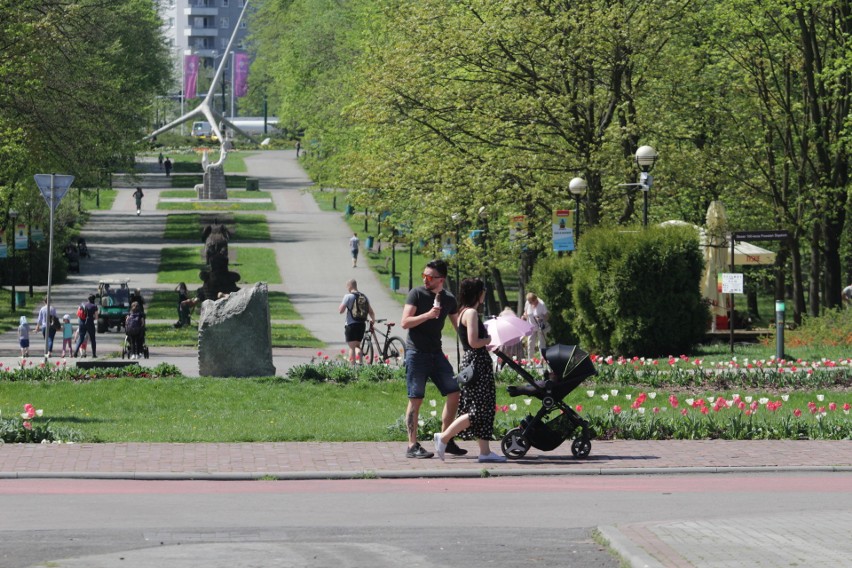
[453, 448]
[440, 447]
[417, 451]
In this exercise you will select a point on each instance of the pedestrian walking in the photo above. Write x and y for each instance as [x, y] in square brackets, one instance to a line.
[67, 334]
[354, 246]
[536, 313]
[168, 166]
[24, 337]
[479, 395]
[160, 160]
[48, 324]
[298, 147]
[426, 309]
[358, 310]
[138, 195]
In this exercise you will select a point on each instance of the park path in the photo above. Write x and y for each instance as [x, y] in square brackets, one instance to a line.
[311, 249]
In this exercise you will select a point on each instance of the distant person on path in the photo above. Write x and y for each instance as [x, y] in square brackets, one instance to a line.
[67, 334]
[298, 147]
[182, 307]
[847, 295]
[168, 165]
[24, 337]
[160, 160]
[48, 325]
[426, 309]
[536, 313]
[479, 396]
[354, 245]
[358, 310]
[87, 326]
[138, 195]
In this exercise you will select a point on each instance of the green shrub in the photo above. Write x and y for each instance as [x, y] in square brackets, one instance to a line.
[552, 282]
[639, 292]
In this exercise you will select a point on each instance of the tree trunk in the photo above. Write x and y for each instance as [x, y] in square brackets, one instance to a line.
[798, 282]
[813, 276]
[499, 287]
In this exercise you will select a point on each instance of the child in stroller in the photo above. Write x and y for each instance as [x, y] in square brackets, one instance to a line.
[569, 366]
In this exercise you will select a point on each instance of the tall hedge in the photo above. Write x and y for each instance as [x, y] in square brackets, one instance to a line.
[552, 282]
[638, 292]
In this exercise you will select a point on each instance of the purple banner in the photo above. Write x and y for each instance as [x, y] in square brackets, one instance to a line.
[241, 70]
[190, 76]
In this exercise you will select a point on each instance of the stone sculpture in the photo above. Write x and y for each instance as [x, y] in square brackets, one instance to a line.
[216, 277]
[235, 335]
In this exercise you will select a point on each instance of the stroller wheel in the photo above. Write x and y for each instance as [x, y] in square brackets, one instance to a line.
[514, 444]
[581, 447]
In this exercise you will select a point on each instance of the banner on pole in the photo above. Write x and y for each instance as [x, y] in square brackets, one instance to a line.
[241, 70]
[190, 76]
[563, 230]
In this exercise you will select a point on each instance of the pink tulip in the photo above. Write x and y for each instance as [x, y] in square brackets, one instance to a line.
[673, 401]
[704, 410]
[797, 413]
[616, 409]
[656, 410]
[846, 406]
[832, 406]
[684, 411]
[28, 426]
[579, 408]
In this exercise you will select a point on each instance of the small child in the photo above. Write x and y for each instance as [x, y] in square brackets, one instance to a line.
[82, 345]
[67, 334]
[24, 337]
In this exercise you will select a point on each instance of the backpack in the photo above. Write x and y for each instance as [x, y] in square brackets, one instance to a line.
[133, 323]
[81, 313]
[360, 307]
[55, 324]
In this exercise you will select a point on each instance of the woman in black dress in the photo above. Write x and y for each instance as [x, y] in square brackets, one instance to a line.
[479, 396]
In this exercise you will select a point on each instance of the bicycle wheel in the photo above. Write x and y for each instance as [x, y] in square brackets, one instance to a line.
[366, 350]
[395, 352]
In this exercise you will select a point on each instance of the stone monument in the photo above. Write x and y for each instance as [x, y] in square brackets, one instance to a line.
[235, 335]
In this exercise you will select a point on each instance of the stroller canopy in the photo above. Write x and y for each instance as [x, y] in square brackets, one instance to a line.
[569, 362]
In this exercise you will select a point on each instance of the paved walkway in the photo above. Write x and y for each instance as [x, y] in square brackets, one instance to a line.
[311, 249]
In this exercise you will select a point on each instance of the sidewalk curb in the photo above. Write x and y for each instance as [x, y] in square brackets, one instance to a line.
[411, 474]
[634, 554]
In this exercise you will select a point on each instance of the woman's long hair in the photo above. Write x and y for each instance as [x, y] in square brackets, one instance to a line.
[470, 290]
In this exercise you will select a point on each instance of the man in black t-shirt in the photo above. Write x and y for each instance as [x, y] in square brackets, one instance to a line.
[426, 309]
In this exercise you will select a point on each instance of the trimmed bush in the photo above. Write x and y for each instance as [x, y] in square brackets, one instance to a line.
[552, 282]
[639, 291]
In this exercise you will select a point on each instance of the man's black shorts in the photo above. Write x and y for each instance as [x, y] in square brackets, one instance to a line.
[355, 331]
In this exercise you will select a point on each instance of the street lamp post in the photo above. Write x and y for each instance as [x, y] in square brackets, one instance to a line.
[13, 220]
[577, 187]
[646, 156]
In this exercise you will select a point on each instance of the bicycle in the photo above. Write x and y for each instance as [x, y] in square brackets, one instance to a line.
[392, 351]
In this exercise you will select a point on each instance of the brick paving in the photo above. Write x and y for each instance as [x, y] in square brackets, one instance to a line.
[295, 460]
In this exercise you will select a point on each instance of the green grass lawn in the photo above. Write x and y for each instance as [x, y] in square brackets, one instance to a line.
[182, 264]
[215, 206]
[92, 199]
[283, 335]
[215, 410]
[245, 227]
[163, 305]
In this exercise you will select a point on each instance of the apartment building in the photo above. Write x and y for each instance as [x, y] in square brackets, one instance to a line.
[203, 28]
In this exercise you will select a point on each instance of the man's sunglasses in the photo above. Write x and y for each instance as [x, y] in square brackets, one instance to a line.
[429, 277]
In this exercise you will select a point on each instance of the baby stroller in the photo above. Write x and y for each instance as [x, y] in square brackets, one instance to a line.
[125, 349]
[555, 422]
